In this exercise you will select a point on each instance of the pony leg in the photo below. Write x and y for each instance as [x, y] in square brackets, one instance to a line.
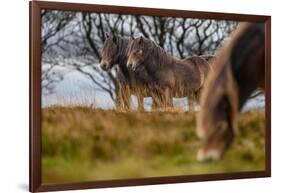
[126, 102]
[156, 99]
[162, 99]
[140, 93]
[140, 103]
[127, 99]
[120, 99]
[191, 102]
[168, 101]
[156, 102]
[125, 94]
[167, 98]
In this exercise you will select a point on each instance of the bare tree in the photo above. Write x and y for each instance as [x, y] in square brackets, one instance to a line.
[91, 34]
[73, 41]
[53, 33]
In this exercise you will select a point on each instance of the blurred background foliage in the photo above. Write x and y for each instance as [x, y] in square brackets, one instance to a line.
[71, 41]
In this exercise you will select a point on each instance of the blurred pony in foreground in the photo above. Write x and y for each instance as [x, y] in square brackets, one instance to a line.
[238, 71]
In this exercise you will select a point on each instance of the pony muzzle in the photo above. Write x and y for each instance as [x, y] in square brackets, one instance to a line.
[134, 66]
[131, 65]
[104, 65]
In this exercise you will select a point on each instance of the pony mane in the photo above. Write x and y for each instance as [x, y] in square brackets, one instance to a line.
[156, 54]
[241, 52]
[222, 59]
[122, 45]
[120, 42]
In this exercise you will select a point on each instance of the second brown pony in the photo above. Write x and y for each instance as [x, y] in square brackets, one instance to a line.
[169, 75]
[114, 52]
[237, 72]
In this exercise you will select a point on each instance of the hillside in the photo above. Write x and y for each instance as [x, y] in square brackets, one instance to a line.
[82, 144]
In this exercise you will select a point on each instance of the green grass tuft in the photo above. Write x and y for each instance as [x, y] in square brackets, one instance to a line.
[82, 144]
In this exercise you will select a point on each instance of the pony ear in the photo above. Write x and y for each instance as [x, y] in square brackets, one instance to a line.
[114, 38]
[141, 40]
[107, 35]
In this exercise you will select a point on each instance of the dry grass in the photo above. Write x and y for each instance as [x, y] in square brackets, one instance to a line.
[81, 144]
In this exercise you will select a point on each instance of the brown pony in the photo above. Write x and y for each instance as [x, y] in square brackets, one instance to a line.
[237, 71]
[169, 75]
[114, 52]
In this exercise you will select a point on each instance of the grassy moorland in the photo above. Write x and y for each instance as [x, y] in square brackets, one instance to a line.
[82, 144]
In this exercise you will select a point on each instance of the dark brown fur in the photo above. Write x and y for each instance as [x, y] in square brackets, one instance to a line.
[237, 71]
[171, 76]
[114, 52]
[208, 58]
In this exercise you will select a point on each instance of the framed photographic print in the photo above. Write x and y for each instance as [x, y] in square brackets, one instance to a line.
[123, 96]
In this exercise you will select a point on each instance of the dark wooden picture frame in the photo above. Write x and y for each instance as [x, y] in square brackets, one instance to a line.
[35, 95]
